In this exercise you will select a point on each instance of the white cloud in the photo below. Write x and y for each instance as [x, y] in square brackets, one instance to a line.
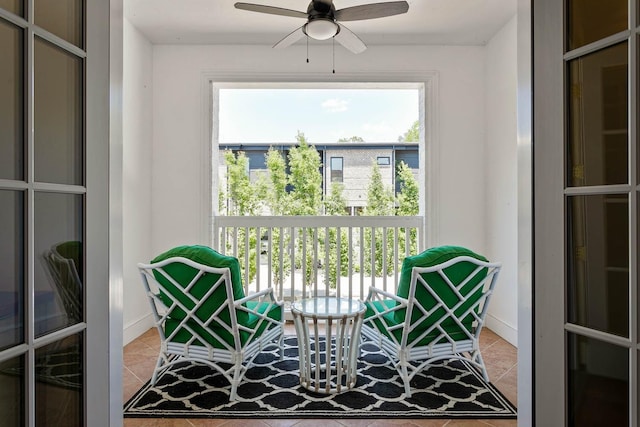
[335, 105]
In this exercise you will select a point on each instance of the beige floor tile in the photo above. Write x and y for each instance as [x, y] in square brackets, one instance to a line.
[211, 423]
[282, 423]
[467, 423]
[318, 423]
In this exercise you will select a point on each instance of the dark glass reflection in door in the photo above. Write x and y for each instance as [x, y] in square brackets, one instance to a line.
[59, 261]
[598, 262]
[12, 285]
[11, 102]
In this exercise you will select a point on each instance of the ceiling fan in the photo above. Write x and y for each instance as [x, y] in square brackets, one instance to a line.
[324, 21]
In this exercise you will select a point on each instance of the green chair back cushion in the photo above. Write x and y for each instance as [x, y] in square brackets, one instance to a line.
[184, 335]
[456, 273]
[72, 250]
[184, 274]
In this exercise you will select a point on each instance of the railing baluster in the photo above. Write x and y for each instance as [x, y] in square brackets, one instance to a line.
[338, 261]
[281, 260]
[373, 256]
[258, 256]
[304, 262]
[292, 249]
[247, 230]
[384, 258]
[396, 257]
[361, 255]
[315, 261]
[350, 258]
[327, 285]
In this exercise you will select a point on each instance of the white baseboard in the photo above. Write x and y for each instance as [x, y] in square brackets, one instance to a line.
[136, 328]
[504, 330]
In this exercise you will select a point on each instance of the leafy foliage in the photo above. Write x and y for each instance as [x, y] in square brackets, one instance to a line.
[412, 134]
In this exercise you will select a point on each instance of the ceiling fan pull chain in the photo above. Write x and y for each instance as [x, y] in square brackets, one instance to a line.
[307, 49]
[333, 46]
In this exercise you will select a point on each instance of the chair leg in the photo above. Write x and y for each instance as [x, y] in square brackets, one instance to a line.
[405, 378]
[477, 358]
[237, 369]
[158, 368]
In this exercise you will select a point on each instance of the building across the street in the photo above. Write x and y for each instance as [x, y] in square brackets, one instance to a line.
[349, 163]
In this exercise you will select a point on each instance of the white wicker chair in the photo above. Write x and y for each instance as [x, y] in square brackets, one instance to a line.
[203, 316]
[438, 313]
[62, 266]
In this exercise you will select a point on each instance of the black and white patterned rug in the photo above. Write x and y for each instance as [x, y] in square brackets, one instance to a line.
[271, 389]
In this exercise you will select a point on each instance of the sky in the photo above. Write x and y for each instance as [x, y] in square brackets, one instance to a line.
[323, 115]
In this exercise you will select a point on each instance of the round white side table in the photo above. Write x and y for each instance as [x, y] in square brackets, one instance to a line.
[329, 365]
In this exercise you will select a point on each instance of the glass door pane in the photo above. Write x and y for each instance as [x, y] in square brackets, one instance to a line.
[59, 263]
[598, 262]
[12, 285]
[11, 102]
[597, 152]
[58, 117]
[598, 383]
[592, 20]
[12, 386]
[59, 383]
[13, 6]
[62, 18]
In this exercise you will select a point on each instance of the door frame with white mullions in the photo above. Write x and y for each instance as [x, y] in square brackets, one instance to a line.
[54, 248]
[585, 172]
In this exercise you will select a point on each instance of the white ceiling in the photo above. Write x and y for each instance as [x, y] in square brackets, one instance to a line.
[453, 22]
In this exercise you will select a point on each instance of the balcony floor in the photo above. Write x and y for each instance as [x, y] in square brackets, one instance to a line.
[140, 357]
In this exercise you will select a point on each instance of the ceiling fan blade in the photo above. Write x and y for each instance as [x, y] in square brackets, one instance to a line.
[290, 38]
[271, 10]
[371, 11]
[349, 40]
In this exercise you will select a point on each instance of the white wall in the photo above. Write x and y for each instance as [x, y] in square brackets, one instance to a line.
[501, 177]
[474, 106]
[137, 157]
[179, 124]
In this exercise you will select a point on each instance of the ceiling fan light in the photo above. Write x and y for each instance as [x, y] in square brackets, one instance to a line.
[321, 29]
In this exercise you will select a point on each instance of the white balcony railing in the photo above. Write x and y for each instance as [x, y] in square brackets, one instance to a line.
[305, 256]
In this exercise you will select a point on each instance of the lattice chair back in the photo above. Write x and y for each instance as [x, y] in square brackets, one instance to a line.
[202, 313]
[438, 312]
[63, 264]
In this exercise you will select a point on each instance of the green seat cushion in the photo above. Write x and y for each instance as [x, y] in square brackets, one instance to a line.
[184, 274]
[456, 273]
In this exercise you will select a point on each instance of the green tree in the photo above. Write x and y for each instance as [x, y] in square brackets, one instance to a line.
[379, 197]
[277, 189]
[380, 202]
[409, 191]
[305, 197]
[351, 139]
[240, 194]
[278, 202]
[336, 205]
[408, 205]
[305, 178]
[411, 135]
[244, 198]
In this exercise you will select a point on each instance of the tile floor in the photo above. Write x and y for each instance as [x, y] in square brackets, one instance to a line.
[140, 358]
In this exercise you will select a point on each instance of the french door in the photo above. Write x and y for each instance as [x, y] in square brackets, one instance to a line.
[586, 212]
[54, 283]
